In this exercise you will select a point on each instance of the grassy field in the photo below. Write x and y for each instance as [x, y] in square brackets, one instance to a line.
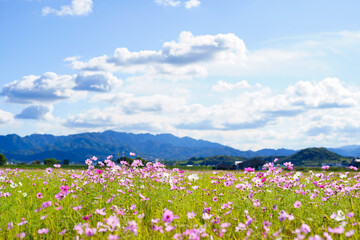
[152, 202]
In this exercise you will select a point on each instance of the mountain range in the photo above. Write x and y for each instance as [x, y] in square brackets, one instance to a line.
[78, 147]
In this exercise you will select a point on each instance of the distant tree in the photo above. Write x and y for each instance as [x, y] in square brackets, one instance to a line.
[126, 159]
[37, 162]
[3, 159]
[51, 161]
[66, 162]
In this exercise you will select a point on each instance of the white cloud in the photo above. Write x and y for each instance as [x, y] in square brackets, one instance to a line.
[5, 117]
[49, 87]
[130, 104]
[184, 57]
[262, 116]
[171, 3]
[192, 3]
[328, 93]
[37, 112]
[96, 81]
[222, 86]
[77, 8]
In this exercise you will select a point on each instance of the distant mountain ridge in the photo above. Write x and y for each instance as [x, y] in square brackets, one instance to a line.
[78, 147]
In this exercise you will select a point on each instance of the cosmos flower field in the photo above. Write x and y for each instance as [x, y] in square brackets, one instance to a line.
[150, 202]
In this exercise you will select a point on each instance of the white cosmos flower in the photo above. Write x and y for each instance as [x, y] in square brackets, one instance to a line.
[193, 177]
[339, 216]
[297, 175]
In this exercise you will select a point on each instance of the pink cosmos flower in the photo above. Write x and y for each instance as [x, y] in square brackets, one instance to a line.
[168, 216]
[90, 231]
[353, 168]
[21, 235]
[289, 165]
[168, 227]
[57, 165]
[10, 225]
[43, 231]
[225, 225]
[325, 167]
[132, 227]
[191, 215]
[177, 236]
[113, 221]
[132, 154]
[46, 204]
[297, 204]
[305, 228]
[113, 237]
[62, 232]
[336, 230]
[100, 211]
[249, 169]
[240, 227]
[39, 195]
[215, 199]
[77, 208]
[48, 170]
[22, 223]
[350, 233]
[7, 194]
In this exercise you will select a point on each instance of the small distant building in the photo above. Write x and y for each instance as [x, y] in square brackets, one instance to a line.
[338, 164]
[238, 164]
[355, 162]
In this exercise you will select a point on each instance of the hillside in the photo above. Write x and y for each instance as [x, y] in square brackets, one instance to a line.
[78, 147]
[315, 157]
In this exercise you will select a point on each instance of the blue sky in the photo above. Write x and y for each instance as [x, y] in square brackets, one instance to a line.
[249, 74]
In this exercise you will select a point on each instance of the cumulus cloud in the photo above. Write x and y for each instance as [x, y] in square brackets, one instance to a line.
[171, 3]
[114, 118]
[5, 117]
[77, 8]
[49, 87]
[130, 104]
[184, 56]
[96, 81]
[222, 86]
[38, 112]
[192, 3]
[328, 93]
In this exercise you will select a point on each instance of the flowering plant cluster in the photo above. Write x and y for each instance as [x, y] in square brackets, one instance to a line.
[151, 202]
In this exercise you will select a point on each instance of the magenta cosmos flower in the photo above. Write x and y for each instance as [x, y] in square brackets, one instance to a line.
[168, 216]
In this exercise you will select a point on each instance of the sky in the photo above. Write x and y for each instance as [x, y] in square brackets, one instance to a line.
[249, 74]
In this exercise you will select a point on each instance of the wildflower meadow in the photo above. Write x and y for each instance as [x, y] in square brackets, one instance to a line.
[134, 201]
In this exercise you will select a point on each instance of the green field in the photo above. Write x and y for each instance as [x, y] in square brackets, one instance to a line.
[152, 202]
